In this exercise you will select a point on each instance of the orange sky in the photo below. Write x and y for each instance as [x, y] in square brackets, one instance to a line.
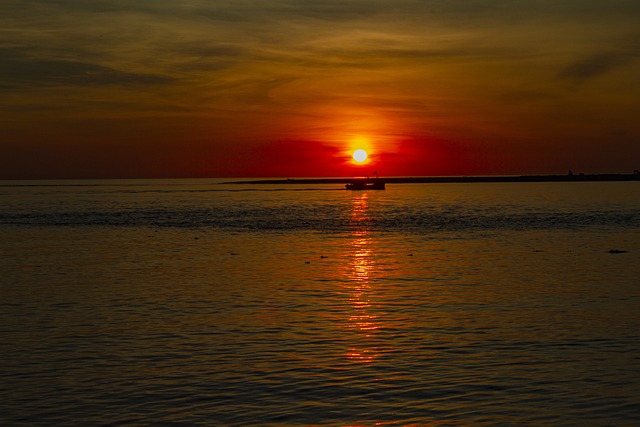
[288, 88]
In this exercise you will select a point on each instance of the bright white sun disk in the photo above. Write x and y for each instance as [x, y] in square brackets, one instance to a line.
[360, 155]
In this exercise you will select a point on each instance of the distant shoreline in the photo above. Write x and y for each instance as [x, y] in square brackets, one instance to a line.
[453, 179]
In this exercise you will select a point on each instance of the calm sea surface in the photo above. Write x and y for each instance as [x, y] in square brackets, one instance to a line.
[198, 303]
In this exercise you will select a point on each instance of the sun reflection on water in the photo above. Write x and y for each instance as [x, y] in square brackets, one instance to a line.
[361, 268]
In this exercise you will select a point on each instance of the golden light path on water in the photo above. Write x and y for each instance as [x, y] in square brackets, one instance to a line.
[361, 268]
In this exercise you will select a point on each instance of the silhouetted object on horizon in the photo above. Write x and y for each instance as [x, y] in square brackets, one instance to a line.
[366, 184]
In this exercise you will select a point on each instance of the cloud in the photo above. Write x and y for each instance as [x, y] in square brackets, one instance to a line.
[16, 68]
[337, 10]
[595, 65]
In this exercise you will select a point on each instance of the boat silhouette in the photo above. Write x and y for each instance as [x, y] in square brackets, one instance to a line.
[366, 184]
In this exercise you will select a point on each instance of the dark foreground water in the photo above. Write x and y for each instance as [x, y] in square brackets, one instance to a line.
[194, 303]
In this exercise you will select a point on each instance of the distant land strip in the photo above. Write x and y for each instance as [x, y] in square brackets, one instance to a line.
[454, 179]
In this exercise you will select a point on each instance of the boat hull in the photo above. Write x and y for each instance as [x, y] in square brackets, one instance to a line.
[365, 185]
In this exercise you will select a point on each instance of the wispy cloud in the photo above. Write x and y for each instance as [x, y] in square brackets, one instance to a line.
[595, 65]
[17, 70]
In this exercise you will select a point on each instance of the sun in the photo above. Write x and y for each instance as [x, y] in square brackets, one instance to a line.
[359, 155]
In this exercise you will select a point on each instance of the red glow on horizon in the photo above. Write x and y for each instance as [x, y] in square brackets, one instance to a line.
[413, 156]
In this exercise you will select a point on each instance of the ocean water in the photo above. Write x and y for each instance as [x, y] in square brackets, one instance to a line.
[191, 302]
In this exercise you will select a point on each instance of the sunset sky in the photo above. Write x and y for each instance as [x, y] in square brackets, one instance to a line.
[289, 88]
